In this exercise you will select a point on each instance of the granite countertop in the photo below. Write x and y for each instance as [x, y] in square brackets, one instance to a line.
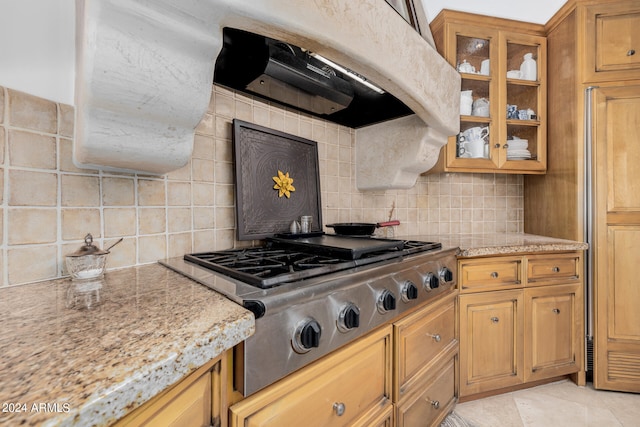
[63, 364]
[472, 245]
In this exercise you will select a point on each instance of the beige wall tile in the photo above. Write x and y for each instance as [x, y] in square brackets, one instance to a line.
[225, 195]
[203, 194]
[152, 248]
[225, 217]
[151, 192]
[179, 244]
[179, 219]
[65, 149]
[80, 190]
[202, 170]
[179, 193]
[224, 150]
[31, 226]
[66, 120]
[27, 188]
[32, 150]
[118, 191]
[123, 254]
[203, 147]
[203, 240]
[152, 220]
[119, 222]
[76, 223]
[31, 112]
[22, 269]
[203, 218]
[182, 174]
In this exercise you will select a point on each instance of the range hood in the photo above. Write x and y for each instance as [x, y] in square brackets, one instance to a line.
[295, 77]
[144, 72]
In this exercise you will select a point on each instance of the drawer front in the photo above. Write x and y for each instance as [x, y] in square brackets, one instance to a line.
[564, 268]
[429, 407]
[421, 338]
[338, 391]
[476, 275]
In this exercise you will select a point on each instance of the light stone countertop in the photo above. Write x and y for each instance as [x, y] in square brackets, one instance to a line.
[472, 245]
[92, 366]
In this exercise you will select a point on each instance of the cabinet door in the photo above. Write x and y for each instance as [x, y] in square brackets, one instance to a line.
[617, 246]
[338, 390]
[491, 341]
[613, 41]
[553, 331]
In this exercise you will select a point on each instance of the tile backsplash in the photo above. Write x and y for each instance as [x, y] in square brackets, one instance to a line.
[48, 204]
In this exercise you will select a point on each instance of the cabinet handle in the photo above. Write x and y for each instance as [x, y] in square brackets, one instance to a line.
[495, 319]
[339, 408]
[556, 269]
[435, 404]
[631, 52]
[556, 310]
[497, 146]
[505, 146]
[494, 275]
[436, 337]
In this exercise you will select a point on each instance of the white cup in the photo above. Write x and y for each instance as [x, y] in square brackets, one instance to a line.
[484, 67]
[466, 102]
[475, 148]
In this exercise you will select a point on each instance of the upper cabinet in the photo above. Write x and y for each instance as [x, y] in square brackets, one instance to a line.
[612, 41]
[502, 64]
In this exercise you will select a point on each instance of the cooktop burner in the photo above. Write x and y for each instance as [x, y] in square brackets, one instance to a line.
[276, 263]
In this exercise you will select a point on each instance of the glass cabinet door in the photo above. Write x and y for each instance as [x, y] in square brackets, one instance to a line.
[523, 136]
[476, 59]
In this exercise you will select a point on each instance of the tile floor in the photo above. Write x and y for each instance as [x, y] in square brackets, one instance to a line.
[559, 404]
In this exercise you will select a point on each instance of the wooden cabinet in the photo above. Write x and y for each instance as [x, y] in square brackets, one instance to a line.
[197, 400]
[612, 41]
[594, 108]
[350, 386]
[402, 374]
[489, 53]
[425, 353]
[516, 331]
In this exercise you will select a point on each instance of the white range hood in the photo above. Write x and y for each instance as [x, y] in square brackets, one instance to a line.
[145, 70]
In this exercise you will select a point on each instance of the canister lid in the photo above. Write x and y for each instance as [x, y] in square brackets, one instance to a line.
[88, 248]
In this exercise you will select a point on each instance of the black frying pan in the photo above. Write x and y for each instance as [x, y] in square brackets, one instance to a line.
[359, 228]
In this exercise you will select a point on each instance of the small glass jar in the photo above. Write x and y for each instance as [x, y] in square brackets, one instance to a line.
[88, 262]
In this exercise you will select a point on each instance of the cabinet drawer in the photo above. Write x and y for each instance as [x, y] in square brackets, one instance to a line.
[551, 269]
[337, 391]
[421, 338]
[430, 406]
[499, 273]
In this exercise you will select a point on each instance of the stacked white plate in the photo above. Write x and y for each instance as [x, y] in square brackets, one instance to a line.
[517, 149]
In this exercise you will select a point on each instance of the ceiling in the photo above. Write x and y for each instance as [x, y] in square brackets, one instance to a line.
[538, 11]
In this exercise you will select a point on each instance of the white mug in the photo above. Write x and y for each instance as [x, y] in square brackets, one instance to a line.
[476, 132]
[475, 148]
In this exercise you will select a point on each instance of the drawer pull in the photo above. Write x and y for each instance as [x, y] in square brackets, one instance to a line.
[435, 404]
[556, 269]
[436, 337]
[556, 310]
[339, 408]
[494, 275]
[495, 319]
[631, 52]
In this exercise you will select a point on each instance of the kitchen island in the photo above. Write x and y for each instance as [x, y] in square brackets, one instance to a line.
[146, 328]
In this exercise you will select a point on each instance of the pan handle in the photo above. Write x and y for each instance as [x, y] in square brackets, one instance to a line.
[388, 223]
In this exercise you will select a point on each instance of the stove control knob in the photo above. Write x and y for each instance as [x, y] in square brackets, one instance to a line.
[306, 336]
[386, 301]
[431, 281]
[446, 275]
[409, 291]
[349, 318]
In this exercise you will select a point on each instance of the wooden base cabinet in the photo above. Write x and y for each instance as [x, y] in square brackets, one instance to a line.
[349, 387]
[425, 354]
[197, 400]
[531, 332]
